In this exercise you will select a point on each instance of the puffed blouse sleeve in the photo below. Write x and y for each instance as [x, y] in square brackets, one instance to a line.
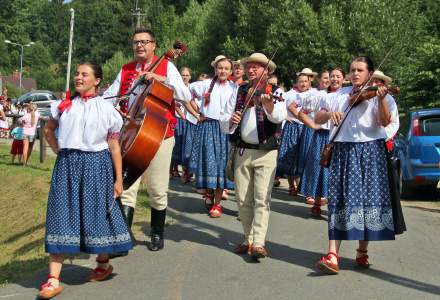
[198, 88]
[54, 111]
[115, 123]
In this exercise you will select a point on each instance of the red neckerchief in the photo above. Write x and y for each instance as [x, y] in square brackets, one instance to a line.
[87, 97]
[66, 104]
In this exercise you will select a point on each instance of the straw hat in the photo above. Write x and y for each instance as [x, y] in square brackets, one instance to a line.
[236, 62]
[380, 75]
[259, 58]
[215, 61]
[306, 71]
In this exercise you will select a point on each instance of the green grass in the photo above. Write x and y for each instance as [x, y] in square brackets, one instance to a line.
[23, 203]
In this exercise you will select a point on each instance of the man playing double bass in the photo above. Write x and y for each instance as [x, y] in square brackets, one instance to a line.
[157, 176]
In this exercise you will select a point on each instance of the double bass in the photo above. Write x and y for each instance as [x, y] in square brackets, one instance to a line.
[145, 124]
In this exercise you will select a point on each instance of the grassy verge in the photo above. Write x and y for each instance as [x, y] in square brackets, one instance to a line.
[23, 202]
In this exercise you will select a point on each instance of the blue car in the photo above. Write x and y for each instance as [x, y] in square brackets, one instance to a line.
[417, 148]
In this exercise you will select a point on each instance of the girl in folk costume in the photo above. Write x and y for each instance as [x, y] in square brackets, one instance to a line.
[304, 141]
[359, 206]
[190, 127]
[314, 180]
[292, 132]
[210, 150]
[324, 80]
[179, 131]
[81, 215]
[237, 73]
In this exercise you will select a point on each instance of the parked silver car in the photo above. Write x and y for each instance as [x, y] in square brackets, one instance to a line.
[43, 100]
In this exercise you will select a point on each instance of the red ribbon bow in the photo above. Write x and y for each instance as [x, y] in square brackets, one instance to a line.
[66, 104]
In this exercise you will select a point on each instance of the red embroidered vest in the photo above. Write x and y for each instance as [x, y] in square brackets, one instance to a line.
[129, 74]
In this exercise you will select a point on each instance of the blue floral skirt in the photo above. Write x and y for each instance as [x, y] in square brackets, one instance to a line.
[209, 156]
[288, 152]
[314, 181]
[178, 150]
[80, 195]
[304, 143]
[359, 205]
[188, 138]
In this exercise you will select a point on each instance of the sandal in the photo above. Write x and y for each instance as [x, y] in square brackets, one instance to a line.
[276, 182]
[326, 265]
[185, 178]
[209, 200]
[362, 260]
[225, 195]
[216, 211]
[316, 211]
[293, 191]
[48, 291]
[100, 274]
[310, 200]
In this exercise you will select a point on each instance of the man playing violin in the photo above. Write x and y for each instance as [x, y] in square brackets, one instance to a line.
[157, 178]
[255, 125]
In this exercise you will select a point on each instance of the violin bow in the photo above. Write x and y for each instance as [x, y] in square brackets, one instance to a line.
[254, 89]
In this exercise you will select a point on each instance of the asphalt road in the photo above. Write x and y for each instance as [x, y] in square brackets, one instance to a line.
[197, 262]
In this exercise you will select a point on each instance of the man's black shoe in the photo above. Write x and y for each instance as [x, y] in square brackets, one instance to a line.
[156, 243]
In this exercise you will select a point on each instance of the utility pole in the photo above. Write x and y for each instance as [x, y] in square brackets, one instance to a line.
[69, 59]
[137, 12]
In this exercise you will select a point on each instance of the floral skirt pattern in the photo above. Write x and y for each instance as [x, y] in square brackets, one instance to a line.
[80, 195]
[209, 156]
[314, 181]
[304, 143]
[288, 152]
[359, 205]
[188, 138]
[178, 150]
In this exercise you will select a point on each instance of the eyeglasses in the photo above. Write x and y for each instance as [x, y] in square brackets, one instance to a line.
[142, 42]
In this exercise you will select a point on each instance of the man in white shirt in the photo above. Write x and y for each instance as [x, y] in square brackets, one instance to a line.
[157, 176]
[256, 133]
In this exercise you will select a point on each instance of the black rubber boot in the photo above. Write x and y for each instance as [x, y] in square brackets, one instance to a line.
[157, 229]
[128, 213]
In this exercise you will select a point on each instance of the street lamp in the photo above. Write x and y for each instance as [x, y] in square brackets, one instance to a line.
[21, 55]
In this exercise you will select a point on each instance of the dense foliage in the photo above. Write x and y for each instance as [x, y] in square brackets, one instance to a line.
[306, 33]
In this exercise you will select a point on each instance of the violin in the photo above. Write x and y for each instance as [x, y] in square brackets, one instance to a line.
[275, 98]
[369, 92]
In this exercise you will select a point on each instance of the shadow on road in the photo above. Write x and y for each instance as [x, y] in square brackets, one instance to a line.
[189, 229]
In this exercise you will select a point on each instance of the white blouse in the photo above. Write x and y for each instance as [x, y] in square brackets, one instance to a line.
[87, 124]
[362, 123]
[289, 98]
[220, 95]
[249, 133]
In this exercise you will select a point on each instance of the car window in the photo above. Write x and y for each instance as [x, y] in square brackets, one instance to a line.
[52, 97]
[430, 125]
[40, 97]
